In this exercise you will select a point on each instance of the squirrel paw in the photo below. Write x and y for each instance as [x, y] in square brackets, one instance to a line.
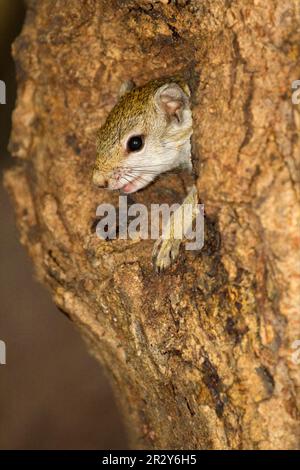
[164, 253]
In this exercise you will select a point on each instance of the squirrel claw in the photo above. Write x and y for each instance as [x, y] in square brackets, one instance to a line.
[164, 253]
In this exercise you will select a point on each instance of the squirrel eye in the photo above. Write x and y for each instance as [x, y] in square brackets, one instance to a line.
[135, 143]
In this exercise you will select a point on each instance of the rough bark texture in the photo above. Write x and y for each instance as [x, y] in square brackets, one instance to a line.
[200, 356]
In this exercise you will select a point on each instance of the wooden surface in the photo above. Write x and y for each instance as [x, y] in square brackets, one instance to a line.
[199, 357]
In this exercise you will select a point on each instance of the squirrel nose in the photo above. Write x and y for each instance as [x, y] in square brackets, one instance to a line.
[100, 180]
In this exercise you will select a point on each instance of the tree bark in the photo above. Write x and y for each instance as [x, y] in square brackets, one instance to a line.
[199, 357]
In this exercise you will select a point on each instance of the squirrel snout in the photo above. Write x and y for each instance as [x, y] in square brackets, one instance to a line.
[100, 180]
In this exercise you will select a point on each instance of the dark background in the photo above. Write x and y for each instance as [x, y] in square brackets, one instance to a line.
[53, 395]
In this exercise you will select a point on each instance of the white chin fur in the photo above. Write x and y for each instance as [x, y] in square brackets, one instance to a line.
[132, 185]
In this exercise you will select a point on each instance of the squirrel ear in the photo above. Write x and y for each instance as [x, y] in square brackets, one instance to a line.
[172, 100]
[126, 86]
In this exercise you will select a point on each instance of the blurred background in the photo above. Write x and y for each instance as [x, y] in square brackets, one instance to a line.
[53, 395]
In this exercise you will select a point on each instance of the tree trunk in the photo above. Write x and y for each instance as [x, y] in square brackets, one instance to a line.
[200, 356]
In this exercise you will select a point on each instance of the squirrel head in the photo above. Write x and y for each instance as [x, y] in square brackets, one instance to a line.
[147, 133]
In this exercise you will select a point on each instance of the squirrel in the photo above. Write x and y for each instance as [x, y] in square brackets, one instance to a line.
[148, 132]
